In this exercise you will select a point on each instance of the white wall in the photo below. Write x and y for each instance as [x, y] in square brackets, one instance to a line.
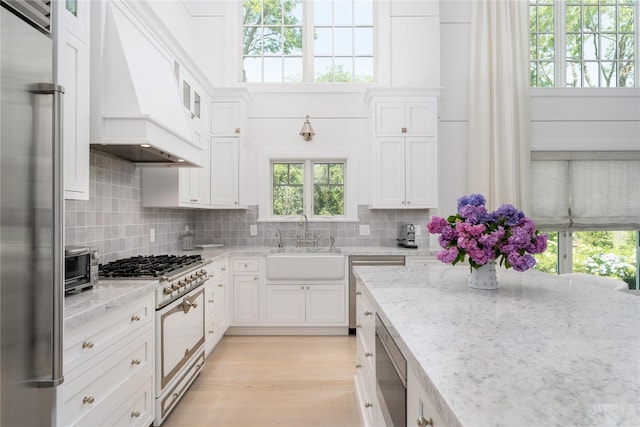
[427, 45]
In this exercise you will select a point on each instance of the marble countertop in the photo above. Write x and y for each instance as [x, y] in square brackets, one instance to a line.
[109, 294]
[104, 297]
[542, 350]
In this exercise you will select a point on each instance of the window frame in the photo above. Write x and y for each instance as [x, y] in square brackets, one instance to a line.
[308, 186]
[310, 156]
[560, 55]
[381, 52]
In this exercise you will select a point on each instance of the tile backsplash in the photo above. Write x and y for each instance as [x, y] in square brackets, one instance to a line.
[231, 227]
[114, 221]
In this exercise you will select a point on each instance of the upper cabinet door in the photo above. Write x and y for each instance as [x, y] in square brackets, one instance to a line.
[226, 118]
[406, 118]
[72, 69]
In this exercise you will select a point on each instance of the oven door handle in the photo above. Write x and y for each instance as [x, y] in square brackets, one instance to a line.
[188, 304]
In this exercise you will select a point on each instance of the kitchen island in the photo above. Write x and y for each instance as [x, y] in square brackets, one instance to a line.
[542, 350]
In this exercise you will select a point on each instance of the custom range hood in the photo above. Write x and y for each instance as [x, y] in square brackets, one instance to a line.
[136, 109]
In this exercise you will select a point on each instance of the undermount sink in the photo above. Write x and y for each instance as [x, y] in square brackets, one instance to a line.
[308, 265]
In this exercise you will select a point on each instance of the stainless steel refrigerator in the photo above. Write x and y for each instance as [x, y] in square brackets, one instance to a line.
[31, 225]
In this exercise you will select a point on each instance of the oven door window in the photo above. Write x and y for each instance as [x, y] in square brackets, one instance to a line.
[77, 269]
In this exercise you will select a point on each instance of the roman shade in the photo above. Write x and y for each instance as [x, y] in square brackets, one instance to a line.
[578, 194]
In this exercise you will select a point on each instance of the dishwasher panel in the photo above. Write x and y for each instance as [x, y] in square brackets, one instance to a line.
[366, 260]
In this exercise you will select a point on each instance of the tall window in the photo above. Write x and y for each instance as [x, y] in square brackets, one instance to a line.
[583, 43]
[291, 41]
[313, 188]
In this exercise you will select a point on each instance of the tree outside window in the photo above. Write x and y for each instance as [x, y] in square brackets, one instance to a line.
[582, 43]
[338, 33]
[314, 188]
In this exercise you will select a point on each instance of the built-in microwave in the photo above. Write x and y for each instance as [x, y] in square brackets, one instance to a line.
[80, 268]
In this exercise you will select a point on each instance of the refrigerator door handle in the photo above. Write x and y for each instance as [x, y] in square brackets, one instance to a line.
[58, 234]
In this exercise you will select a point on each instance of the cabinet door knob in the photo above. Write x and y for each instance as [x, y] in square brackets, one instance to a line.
[368, 354]
[87, 344]
[423, 422]
[358, 293]
[237, 130]
[135, 414]
[211, 301]
[88, 399]
[135, 361]
[368, 313]
[220, 285]
[135, 318]
[368, 404]
[404, 130]
[358, 366]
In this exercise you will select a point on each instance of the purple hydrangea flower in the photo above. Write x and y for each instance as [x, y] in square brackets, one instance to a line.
[472, 199]
[505, 234]
[448, 255]
[436, 225]
[510, 215]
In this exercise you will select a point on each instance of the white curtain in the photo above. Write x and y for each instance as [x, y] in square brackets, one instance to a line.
[498, 141]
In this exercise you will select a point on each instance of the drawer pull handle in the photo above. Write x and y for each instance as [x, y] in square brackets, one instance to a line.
[368, 313]
[211, 301]
[358, 366]
[368, 354]
[220, 285]
[135, 318]
[368, 404]
[88, 399]
[87, 344]
[223, 269]
[136, 361]
[358, 293]
[423, 422]
[135, 414]
[246, 265]
[210, 332]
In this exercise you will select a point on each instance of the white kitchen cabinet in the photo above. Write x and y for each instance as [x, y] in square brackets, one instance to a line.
[405, 172]
[226, 118]
[419, 407]
[406, 117]
[301, 305]
[365, 378]
[178, 187]
[71, 31]
[225, 172]
[109, 368]
[404, 135]
[216, 320]
[246, 291]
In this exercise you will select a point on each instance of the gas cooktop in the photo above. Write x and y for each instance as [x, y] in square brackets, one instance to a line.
[147, 266]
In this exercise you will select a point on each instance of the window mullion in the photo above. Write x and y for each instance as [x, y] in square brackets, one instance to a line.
[308, 188]
[560, 44]
[307, 41]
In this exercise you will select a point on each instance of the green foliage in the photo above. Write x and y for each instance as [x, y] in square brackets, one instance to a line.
[328, 189]
[599, 44]
[288, 181]
[268, 27]
[339, 74]
[603, 253]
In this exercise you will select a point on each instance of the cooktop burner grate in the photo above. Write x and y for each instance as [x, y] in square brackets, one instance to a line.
[147, 266]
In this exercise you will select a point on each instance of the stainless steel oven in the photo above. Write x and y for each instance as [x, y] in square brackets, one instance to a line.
[391, 377]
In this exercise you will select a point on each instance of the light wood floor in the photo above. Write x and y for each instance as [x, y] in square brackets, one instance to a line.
[298, 381]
